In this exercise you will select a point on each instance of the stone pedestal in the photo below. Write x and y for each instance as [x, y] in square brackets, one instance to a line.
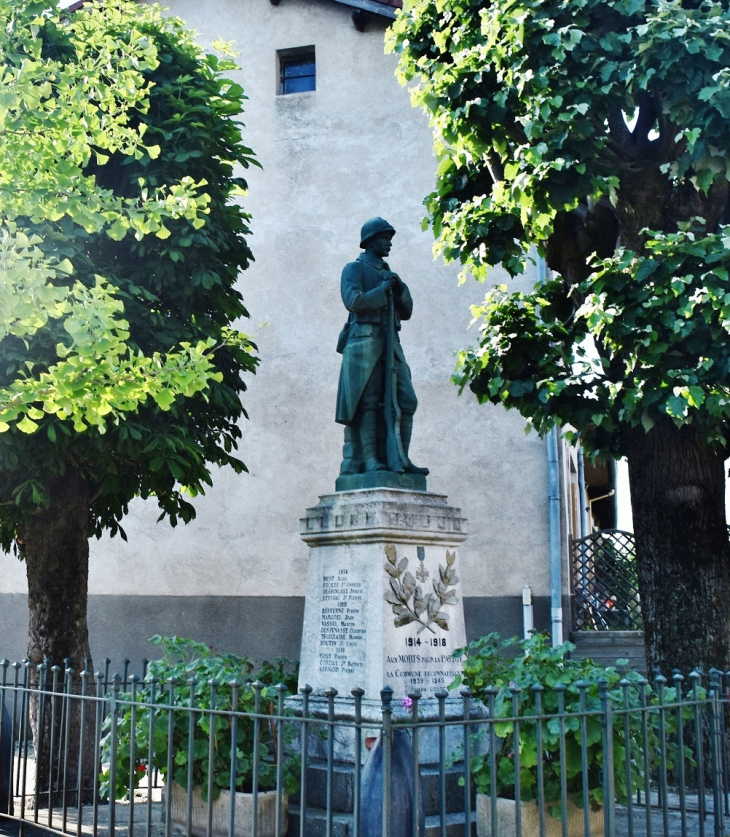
[384, 604]
[383, 608]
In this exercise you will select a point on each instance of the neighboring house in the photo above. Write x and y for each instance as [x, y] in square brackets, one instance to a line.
[339, 143]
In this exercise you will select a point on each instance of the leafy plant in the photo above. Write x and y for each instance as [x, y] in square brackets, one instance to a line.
[407, 598]
[508, 687]
[193, 668]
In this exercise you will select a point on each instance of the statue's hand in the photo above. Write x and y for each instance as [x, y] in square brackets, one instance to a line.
[394, 281]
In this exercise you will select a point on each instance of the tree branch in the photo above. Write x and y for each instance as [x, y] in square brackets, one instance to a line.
[496, 170]
[644, 122]
[619, 132]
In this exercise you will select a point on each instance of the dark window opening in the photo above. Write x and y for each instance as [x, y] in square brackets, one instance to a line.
[600, 477]
[297, 70]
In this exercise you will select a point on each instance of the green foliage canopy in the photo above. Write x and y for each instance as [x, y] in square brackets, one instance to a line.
[599, 134]
[120, 244]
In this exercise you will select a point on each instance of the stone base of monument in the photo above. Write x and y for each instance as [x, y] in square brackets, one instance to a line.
[381, 479]
[349, 739]
[384, 604]
[383, 608]
[343, 799]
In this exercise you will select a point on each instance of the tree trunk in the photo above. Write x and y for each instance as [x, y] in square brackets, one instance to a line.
[55, 543]
[682, 548]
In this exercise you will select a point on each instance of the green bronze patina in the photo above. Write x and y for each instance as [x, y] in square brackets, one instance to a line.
[375, 396]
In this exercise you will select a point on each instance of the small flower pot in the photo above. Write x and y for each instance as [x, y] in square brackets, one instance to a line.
[221, 813]
[506, 825]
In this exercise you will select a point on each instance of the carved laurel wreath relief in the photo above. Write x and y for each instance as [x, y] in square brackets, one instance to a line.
[407, 598]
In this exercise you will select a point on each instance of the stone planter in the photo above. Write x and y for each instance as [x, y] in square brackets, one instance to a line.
[221, 813]
[506, 826]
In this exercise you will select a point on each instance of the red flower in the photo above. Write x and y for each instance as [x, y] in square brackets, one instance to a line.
[141, 768]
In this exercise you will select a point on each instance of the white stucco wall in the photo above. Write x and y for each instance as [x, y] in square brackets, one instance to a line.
[331, 159]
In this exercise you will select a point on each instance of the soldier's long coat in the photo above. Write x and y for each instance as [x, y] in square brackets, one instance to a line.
[362, 341]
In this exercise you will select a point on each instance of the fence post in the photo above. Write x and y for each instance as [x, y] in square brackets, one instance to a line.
[85, 674]
[305, 692]
[65, 732]
[416, 817]
[467, 696]
[213, 721]
[582, 686]
[192, 721]
[258, 687]
[169, 772]
[625, 685]
[134, 680]
[515, 691]
[25, 737]
[724, 681]
[100, 691]
[41, 687]
[357, 693]
[441, 696]
[330, 694]
[386, 696]
[609, 790]
[151, 767]
[7, 745]
[113, 715]
[661, 682]
[492, 692]
[560, 689]
[678, 681]
[715, 751]
[642, 684]
[279, 744]
[235, 687]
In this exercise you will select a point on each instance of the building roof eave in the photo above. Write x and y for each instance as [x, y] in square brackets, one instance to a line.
[372, 6]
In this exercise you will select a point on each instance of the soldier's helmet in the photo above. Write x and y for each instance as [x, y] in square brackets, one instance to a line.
[374, 226]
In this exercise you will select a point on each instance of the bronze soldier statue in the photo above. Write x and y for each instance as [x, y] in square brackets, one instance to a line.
[375, 397]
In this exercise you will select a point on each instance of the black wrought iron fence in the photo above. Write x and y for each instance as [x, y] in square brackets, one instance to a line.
[605, 584]
[638, 758]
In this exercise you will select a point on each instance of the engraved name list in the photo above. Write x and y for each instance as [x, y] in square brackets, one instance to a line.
[343, 631]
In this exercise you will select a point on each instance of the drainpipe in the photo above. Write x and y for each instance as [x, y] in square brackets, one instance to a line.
[556, 575]
[556, 579]
[586, 520]
[585, 526]
[528, 620]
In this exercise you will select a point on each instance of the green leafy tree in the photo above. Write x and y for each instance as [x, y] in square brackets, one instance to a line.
[599, 133]
[121, 239]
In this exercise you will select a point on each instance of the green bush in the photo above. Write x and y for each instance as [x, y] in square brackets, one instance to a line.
[142, 712]
[504, 684]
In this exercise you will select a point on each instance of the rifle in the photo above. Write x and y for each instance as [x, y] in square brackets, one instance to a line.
[395, 456]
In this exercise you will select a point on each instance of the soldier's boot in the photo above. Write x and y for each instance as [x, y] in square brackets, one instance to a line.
[351, 456]
[369, 441]
[406, 431]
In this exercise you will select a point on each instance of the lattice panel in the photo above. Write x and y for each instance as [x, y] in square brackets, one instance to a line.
[605, 583]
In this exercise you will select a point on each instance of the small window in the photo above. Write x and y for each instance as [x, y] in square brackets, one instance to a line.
[297, 71]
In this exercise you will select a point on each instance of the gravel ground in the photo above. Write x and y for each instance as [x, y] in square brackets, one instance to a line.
[122, 813]
[677, 825]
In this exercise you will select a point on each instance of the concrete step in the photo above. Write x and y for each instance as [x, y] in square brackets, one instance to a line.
[343, 789]
[342, 826]
[605, 647]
